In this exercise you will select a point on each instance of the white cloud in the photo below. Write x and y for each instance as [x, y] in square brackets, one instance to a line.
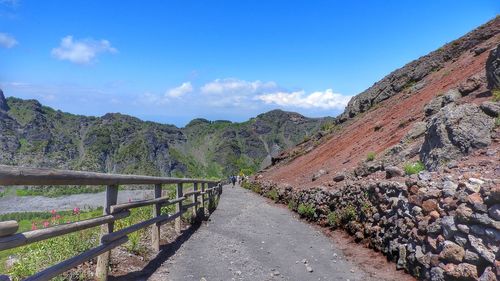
[235, 92]
[232, 86]
[81, 51]
[324, 100]
[183, 89]
[7, 41]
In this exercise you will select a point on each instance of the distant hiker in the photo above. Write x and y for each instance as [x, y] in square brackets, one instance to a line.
[238, 179]
[233, 180]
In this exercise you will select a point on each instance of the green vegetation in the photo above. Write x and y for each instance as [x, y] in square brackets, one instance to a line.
[496, 94]
[273, 194]
[348, 214]
[497, 121]
[333, 219]
[366, 209]
[57, 191]
[119, 143]
[34, 257]
[306, 210]
[255, 187]
[413, 168]
[293, 205]
[37, 256]
[370, 156]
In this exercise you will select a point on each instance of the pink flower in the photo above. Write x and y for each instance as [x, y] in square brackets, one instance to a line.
[58, 217]
[76, 211]
[46, 224]
[53, 212]
[33, 226]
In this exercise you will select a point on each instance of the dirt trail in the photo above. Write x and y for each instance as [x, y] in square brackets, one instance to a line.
[249, 238]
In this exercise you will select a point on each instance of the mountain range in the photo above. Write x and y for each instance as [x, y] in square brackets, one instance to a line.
[39, 136]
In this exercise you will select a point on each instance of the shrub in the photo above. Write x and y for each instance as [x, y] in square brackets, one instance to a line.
[366, 209]
[273, 194]
[349, 214]
[370, 156]
[292, 205]
[414, 168]
[496, 94]
[306, 210]
[333, 219]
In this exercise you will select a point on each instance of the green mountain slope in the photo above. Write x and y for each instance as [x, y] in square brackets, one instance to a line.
[38, 136]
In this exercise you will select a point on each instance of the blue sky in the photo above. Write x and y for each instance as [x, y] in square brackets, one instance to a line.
[172, 61]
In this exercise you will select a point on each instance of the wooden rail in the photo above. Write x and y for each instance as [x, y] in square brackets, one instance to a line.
[202, 190]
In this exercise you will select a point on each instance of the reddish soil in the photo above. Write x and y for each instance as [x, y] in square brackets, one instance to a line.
[349, 146]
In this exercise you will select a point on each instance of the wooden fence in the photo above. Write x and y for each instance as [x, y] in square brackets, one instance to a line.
[204, 191]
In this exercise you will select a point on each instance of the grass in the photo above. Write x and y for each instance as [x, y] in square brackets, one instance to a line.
[306, 210]
[37, 256]
[34, 257]
[293, 205]
[370, 156]
[413, 168]
[348, 214]
[57, 191]
[333, 219]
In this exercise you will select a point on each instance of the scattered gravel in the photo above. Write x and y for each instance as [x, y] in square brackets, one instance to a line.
[248, 239]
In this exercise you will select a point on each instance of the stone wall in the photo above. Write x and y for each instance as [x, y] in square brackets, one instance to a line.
[433, 230]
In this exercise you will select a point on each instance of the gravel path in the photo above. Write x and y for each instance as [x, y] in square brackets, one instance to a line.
[249, 239]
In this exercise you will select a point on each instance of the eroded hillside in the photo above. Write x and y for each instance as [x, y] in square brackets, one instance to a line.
[412, 167]
[393, 128]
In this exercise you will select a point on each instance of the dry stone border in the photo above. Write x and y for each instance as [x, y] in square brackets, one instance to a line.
[434, 230]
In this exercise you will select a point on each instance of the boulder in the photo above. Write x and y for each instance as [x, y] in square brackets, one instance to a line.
[430, 205]
[393, 171]
[470, 85]
[417, 130]
[318, 174]
[368, 168]
[449, 227]
[3, 102]
[437, 274]
[491, 108]
[488, 275]
[433, 106]
[471, 257]
[494, 212]
[452, 252]
[463, 271]
[481, 249]
[339, 177]
[455, 131]
[493, 68]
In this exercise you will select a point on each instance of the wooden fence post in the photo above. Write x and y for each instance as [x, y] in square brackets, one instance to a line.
[155, 228]
[202, 209]
[178, 208]
[195, 200]
[103, 260]
[210, 198]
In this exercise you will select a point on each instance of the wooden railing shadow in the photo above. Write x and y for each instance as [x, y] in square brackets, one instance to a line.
[166, 251]
[204, 191]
